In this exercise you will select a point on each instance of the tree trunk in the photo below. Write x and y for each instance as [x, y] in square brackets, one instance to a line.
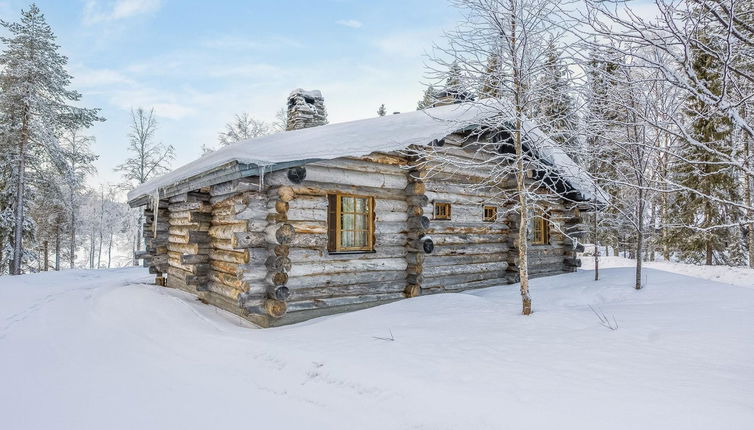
[46, 250]
[20, 185]
[110, 250]
[73, 230]
[57, 246]
[523, 263]
[137, 241]
[92, 248]
[747, 197]
[639, 237]
[596, 248]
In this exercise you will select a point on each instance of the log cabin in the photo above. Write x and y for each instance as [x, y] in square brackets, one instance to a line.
[326, 218]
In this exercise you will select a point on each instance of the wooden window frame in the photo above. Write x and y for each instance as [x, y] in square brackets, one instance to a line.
[448, 211]
[489, 218]
[334, 232]
[541, 222]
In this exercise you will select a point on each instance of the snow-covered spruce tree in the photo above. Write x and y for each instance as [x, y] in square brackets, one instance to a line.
[79, 160]
[706, 181]
[34, 108]
[720, 31]
[555, 105]
[516, 32]
[148, 158]
[428, 99]
[381, 111]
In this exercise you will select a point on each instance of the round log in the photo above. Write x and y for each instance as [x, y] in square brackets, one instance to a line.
[424, 243]
[415, 211]
[277, 278]
[415, 269]
[286, 194]
[275, 308]
[412, 290]
[281, 250]
[415, 279]
[297, 174]
[281, 206]
[285, 234]
[415, 188]
[281, 293]
[414, 258]
[278, 264]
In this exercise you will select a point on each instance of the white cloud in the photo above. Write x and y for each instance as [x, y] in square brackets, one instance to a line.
[350, 23]
[409, 44]
[95, 12]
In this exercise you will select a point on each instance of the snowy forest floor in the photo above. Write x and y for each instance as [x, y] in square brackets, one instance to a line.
[102, 349]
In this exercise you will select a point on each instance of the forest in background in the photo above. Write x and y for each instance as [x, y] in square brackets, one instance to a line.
[659, 112]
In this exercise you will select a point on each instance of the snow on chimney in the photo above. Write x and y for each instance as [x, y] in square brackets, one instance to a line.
[305, 109]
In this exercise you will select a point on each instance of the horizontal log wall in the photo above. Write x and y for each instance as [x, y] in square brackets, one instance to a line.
[188, 241]
[317, 279]
[469, 251]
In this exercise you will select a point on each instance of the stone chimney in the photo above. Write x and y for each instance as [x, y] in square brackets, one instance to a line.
[305, 109]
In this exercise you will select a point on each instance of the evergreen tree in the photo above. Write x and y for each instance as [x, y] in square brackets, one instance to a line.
[382, 111]
[428, 100]
[555, 105]
[703, 175]
[34, 108]
[494, 80]
[79, 161]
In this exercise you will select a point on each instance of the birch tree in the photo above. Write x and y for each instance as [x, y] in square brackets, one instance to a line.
[148, 157]
[513, 34]
[671, 46]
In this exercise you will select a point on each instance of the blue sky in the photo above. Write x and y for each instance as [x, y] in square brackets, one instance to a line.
[199, 62]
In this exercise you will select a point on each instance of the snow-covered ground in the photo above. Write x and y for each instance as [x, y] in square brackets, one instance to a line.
[103, 350]
[741, 276]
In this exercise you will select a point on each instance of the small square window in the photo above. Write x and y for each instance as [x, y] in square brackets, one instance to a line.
[490, 213]
[442, 210]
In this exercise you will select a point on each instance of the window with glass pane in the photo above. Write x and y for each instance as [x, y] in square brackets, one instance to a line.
[442, 210]
[350, 224]
[541, 229]
[490, 213]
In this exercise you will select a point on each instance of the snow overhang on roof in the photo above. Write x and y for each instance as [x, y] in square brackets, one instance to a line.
[348, 139]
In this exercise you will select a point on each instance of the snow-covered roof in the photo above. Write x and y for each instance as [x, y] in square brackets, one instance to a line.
[356, 138]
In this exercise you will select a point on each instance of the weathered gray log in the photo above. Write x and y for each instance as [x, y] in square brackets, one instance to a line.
[302, 269]
[276, 278]
[194, 258]
[278, 264]
[335, 279]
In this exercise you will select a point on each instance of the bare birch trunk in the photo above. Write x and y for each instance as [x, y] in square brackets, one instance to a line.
[523, 262]
[110, 250]
[596, 248]
[639, 237]
[73, 231]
